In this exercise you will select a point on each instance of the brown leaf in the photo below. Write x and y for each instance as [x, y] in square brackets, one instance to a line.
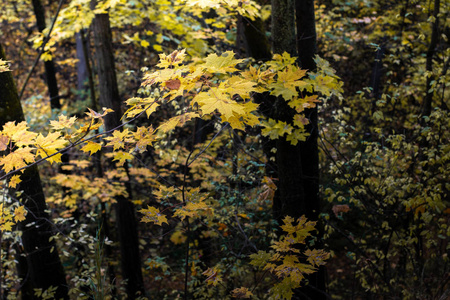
[173, 84]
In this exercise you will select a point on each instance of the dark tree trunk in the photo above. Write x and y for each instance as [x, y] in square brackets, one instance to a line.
[43, 265]
[306, 44]
[257, 44]
[108, 89]
[84, 69]
[125, 212]
[307, 48]
[289, 199]
[50, 72]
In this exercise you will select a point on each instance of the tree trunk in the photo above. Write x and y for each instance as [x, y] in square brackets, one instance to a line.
[289, 199]
[307, 48]
[43, 265]
[257, 44]
[108, 89]
[125, 212]
[50, 72]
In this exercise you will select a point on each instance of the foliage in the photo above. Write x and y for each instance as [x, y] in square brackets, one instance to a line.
[190, 157]
[384, 161]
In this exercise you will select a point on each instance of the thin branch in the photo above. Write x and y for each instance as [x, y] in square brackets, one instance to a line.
[204, 149]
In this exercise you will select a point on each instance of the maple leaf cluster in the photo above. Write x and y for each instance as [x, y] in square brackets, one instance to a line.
[285, 261]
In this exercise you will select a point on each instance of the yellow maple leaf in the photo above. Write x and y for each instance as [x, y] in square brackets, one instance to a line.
[191, 210]
[239, 86]
[221, 64]
[122, 156]
[279, 62]
[176, 121]
[316, 257]
[153, 215]
[91, 147]
[242, 293]
[7, 226]
[275, 129]
[17, 159]
[288, 80]
[118, 139]
[63, 122]
[14, 181]
[214, 278]
[296, 136]
[19, 213]
[19, 134]
[49, 145]
[173, 59]
[216, 98]
[144, 137]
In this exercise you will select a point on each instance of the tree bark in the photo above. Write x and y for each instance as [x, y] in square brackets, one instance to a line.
[50, 71]
[257, 44]
[289, 199]
[309, 151]
[125, 212]
[43, 265]
[108, 89]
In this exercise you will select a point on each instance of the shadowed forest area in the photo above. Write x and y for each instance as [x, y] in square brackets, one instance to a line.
[225, 149]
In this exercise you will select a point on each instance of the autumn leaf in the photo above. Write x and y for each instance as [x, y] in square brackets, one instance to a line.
[153, 215]
[241, 293]
[288, 80]
[14, 181]
[216, 98]
[192, 209]
[17, 159]
[169, 124]
[173, 84]
[122, 156]
[118, 139]
[19, 134]
[178, 238]
[50, 145]
[275, 129]
[96, 115]
[144, 137]
[316, 257]
[91, 147]
[4, 142]
[214, 278]
[296, 136]
[238, 86]
[176, 121]
[281, 61]
[173, 59]
[19, 213]
[63, 122]
[221, 64]
[7, 226]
